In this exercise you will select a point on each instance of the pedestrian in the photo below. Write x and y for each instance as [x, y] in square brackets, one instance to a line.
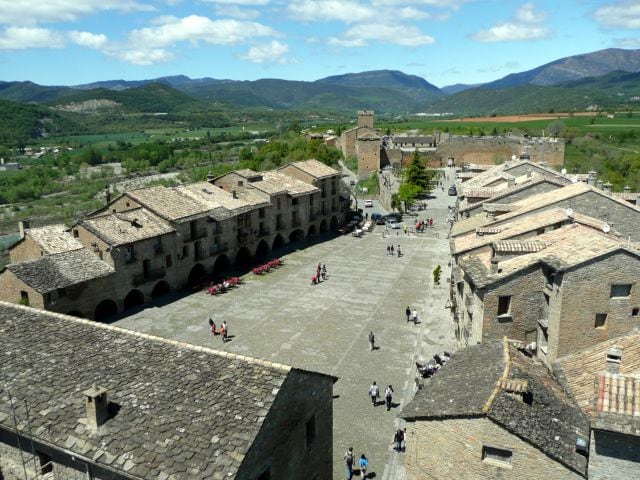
[388, 250]
[392, 250]
[372, 341]
[364, 464]
[399, 251]
[397, 440]
[374, 392]
[324, 271]
[319, 269]
[415, 317]
[348, 458]
[405, 230]
[388, 396]
[212, 328]
[224, 331]
[407, 312]
[430, 222]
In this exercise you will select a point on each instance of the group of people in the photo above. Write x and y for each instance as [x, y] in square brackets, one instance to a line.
[321, 274]
[223, 332]
[392, 251]
[374, 393]
[411, 315]
[420, 224]
[363, 464]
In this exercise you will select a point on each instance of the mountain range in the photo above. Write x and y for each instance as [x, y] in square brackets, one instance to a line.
[606, 78]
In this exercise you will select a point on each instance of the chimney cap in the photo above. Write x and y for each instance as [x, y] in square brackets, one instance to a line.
[614, 354]
[94, 391]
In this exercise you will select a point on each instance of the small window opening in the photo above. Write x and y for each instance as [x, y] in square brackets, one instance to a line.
[601, 320]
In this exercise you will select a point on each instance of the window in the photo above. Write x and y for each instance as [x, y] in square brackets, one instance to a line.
[75, 233]
[496, 456]
[185, 251]
[278, 203]
[294, 201]
[311, 430]
[168, 261]
[46, 466]
[504, 304]
[24, 298]
[635, 312]
[622, 290]
[601, 320]
[261, 213]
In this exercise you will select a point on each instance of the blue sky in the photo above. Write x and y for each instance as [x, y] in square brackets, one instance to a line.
[69, 42]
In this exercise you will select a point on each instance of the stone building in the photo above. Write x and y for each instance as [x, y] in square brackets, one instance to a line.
[493, 412]
[363, 143]
[561, 291]
[151, 241]
[148, 407]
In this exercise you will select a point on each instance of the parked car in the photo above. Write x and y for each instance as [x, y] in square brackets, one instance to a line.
[453, 191]
[378, 218]
[393, 217]
[368, 203]
[393, 225]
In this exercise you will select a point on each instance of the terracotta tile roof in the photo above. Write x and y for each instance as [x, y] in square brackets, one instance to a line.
[489, 379]
[184, 411]
[60, 270]
[54, 239]
[315, 168]
[617, 403]
[578, 370]
[127, 227]
[292, 185]
[519, 246]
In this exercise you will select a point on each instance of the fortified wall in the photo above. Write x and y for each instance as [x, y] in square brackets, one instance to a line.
[495, 150]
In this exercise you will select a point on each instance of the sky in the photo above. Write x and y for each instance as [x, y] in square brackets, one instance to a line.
[72, 42]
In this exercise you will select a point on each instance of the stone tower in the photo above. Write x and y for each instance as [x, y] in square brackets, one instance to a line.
[365, 118]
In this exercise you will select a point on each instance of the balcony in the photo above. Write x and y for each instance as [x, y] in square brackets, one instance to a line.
[151, 275]
[264, 231]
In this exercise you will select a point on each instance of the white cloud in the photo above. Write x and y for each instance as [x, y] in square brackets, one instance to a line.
[410, 13]
[142, 56]
[629, 42]
[32, 12]
[347, 11]
[364, 34]
[20, 38]
[196, 29]
[239, 2]
[88, 39]
[527, 24]
[234, 11]
[270, 52]
[620, 14]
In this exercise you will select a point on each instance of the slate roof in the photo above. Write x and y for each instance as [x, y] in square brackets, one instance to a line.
[185, 412]
[486, 379]
[53, 239]
[293, 186]
[127, 227]
[315, 168]
[60, 270]
[577, 371]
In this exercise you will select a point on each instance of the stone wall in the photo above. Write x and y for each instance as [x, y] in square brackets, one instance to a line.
[613, 456]
[25, 249]
[283, 444]
[368, 153]
[584, 292]
[451, 448]
[496, 150]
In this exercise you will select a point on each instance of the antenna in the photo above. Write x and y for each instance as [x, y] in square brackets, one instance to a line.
[606, 228]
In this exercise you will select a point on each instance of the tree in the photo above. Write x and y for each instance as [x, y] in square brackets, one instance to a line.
[416, 173]
[556, 128]
[407, 194]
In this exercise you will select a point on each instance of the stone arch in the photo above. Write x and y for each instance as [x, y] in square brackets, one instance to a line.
[278, 243]
[159, 289]
[296, 236]
[334, 222]
[196, 275]
[312, 231]
[105, 309]
[75, 313]
[262, 251]
[323, 225]
[243, 258]
[134, 298]
[222, 264]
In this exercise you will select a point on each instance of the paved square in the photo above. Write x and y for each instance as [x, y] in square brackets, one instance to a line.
[281, 317]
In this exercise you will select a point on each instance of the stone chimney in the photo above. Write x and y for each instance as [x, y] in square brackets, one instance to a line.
[491, 215]
[97, 407]
[107, 195]
[626, 189]
[613, 360]
[529, 173]
[599, 184]
[210, 177]
[495, 263]
[23, 226]
[511, 182]
[592, 176]
[607, 187]
[234, 194]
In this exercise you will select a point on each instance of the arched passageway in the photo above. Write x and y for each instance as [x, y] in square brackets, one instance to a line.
[312, 231]
[323, 225]
[222, 265]
[133, 299]
[106, 308]
[278, 243]
[196, 275]
[243, 258]
[262, 251]
[296, 236]
[334, 222]
[161, 288]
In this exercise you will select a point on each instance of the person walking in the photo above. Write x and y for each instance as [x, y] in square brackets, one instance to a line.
[399, 251]
[212, 328]
[392, 250]
[415, 317]
[324, 272]
[364, 465]
[388, 250]
[407, 312]
[388, 396]
[397, 440]
[348, 458]
[224, 331]
[374, 392]
[372, 341]
[406, 230]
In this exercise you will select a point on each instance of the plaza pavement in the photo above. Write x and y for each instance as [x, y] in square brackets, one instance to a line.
[281, 317]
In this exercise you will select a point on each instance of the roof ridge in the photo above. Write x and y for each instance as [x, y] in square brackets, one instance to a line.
[176, 343]
[502, 379]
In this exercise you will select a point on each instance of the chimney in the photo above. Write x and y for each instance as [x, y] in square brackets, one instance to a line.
[107, 195]
[23, 226]
[491, 215]
[97, 406]
[626, 189]
[599, 184]
[494, 265]
[210, 177]
[607, 188]
[511, 182]
[529, 173]
[638, 200]
[234, 194]
[613, 360]
[591, 178]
